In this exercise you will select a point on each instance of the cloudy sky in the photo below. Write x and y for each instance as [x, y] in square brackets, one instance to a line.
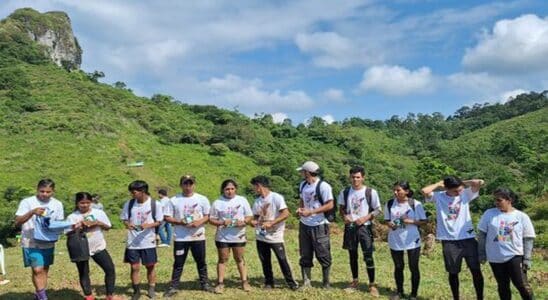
[303, 58]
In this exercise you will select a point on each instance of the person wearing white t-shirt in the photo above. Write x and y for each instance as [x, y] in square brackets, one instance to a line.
[36, 254]
[92, 221]
[455, 229]
[231, 213]
[164, 230]
[141, 235]
[404, 215]
[188, 212]
[359, 205]
[270, 212]
[506, 241]
[316, 198]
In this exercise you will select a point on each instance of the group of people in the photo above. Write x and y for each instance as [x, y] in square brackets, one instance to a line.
[505, 234]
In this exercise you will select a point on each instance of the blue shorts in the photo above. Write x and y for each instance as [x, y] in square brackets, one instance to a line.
[33, 257]
[146, 257]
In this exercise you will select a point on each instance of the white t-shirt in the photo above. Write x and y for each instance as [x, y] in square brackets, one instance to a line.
[96, 239]
[235, 209]
[453, 220]
[310, 202]
[54, 209]
[141, 213]
[357, 203]
[188, 209]
[505, 233]
[165, 202]
[405, 236]
[268, 209]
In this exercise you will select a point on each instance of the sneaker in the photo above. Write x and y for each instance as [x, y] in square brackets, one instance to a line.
[268, 286]
[163, 246]
[170, 292]
[5, 281]
[151, 292]
[135, 296]
[352, 286]
[245, 286]
[373, 291]
[220, 288]
[395, 296]
[306, 285]
[294, 287]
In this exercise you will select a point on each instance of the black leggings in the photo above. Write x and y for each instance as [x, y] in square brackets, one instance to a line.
[413, 258]
[511, 270]
[102, 258]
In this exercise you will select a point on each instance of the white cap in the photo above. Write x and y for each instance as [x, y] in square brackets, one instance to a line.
[309, 166]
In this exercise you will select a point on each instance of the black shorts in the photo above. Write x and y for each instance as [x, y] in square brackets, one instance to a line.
[221, 245]
[455, 251]
[358, 235]
[146, 257]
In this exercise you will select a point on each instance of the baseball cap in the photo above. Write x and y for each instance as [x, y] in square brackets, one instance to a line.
[309, 166]
[187, 178]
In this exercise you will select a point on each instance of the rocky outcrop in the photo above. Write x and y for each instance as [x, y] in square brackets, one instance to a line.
[53, 31]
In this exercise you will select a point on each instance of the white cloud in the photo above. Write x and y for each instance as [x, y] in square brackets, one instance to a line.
[329, 119]
[396, 80]
[475, 82]
[249, 95]
[279, 117]
[515, 45]
[509, 95]
[330, 49]
[334, 95]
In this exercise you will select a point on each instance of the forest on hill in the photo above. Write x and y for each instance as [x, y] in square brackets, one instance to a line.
[63, 123]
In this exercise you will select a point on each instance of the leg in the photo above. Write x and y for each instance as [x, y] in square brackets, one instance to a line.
[472, 260]
[83, 274]
[452, 257]
[104, 261]
[353, 260]
[306, 250]
[169, 233]
[221, 263]
[413, 258]
[263, 249]
[238, 254]
[135, 279]
[162, 232]
[151, 278]
[180, 253]
[322, 249]
[279, 251]
[519, 277]
[502, 276]
[397, 258]
[198, 249]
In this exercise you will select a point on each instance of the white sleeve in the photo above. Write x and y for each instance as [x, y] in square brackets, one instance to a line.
[326, 191]
[159, 212]
[483, 224]
[375, 200]
[206, 208]
[431, 198]
[469, 195]
[102, 216]
[528, 229]
[168, 208]
[280, 203]
[387, 212]
[247, 208]
[340, 199]
[213, 213]
[123, 214]
[419, 211]
[24, 207]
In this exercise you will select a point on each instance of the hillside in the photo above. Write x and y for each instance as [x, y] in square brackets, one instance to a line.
[63, 123]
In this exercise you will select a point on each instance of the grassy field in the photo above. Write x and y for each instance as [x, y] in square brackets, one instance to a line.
[63, 280]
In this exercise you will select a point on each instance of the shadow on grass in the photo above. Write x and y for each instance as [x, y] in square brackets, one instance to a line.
[68, 294]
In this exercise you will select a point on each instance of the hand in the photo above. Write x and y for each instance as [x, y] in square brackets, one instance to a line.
[305, 212]
[77, 225]
[267, 225]
[254, 223]
[192, 224]
[392, 225]
[226, 223]
[39, 211]
[526, 264]
[348, 219]
[408, 221]
[89, 224]
[130, 226]
[240, 223]
[360, 221]
[299, 211]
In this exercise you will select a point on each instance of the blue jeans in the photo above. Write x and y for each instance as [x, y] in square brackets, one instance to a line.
[165, 233]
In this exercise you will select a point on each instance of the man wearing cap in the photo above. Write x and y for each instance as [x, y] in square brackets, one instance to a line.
[316, 198]
[188, 212]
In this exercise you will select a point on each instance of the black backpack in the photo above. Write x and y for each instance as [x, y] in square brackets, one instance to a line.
[152, 211]
[346, 192]
[77, 245]
[330, 215]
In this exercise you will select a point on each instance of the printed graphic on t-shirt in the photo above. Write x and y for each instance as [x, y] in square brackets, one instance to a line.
[399, 217]
[265, 214]
[309, 197]
[505, 231]
[231, 213]
[141, 217]
[192, 212]
[356, 204]
[454, 209]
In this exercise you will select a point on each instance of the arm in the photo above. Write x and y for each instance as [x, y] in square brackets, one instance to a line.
[199, 222]
[282, 217]
[173, 221]
[20, 220]
[474, 184]
[326, 207]
[217, 222]
[91, 224]
[429, 189]
[527, 252]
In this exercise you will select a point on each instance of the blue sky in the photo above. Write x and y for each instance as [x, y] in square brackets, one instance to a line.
[303, 58]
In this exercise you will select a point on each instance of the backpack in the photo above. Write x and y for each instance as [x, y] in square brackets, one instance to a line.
[78, 246]
[152, 211]
[330, 215]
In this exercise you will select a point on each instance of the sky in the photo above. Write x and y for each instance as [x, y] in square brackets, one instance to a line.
[302, 58]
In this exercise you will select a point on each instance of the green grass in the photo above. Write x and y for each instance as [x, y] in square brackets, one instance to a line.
[63, 279]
